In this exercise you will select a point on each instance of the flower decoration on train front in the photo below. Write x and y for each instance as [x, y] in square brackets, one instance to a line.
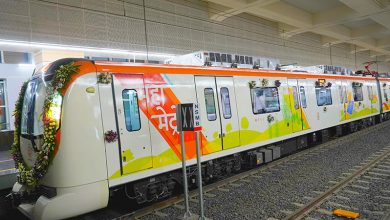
[105, 78]
[110, 136]
[277, 83]
[31, 176]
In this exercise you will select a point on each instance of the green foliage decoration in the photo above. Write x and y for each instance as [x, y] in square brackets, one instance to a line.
[30, 176]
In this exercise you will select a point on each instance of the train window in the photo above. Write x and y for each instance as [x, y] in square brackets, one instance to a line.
[251, 60]
[265, 100]
[324, 96]
[210, 104]
[303, 96]
[225, 99]
[296, 99]
[130, 104]
[370, 92]
[343, 94]
[357, 92]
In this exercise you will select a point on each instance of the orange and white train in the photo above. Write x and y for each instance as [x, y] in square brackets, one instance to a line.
[248, 117]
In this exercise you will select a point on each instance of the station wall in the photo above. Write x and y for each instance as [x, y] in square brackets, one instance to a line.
[172, 26]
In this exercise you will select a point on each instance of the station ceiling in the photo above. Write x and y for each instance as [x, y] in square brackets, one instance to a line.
[364, 24]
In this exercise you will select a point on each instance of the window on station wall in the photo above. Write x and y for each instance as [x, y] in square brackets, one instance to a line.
[303, 96]
[324, 96]
[210, 104]
[3, 107]
[131, 109]
[225, 99]
[11, 57]
[343, 94]
[357, 89]
[265, 100]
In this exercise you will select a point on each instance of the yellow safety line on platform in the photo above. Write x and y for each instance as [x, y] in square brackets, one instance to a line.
[7, 170]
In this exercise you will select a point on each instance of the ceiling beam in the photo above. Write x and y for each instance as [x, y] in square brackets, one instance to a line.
[328, 24]
[218, 12]
[370, 29]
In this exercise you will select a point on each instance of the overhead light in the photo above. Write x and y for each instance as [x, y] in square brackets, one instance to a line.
[79, 48]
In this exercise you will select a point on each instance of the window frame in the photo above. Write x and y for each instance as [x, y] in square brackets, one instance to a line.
[5, 107]
[295, 97]
[223, 104]
[252, 98]
[124, 110]
[326, 88]
[215, 107]
[354, 92]
[302, 88]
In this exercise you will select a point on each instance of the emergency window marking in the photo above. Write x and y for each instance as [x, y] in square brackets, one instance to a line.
[324, 96]
[225, 99]
[303, 96]
[265, 100]
[210, 104]
[357, 93]
[131, 110]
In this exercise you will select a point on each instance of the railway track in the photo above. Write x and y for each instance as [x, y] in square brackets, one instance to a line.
[382, 156]
[156, 210]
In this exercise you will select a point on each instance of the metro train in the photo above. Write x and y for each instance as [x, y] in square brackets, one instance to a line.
[118, 135]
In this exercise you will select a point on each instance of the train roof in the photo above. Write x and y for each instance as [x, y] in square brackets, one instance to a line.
[123, 67]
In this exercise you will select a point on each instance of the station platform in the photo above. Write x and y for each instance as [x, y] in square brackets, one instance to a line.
[7, 170]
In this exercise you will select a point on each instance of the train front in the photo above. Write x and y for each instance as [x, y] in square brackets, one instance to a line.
[61, 172]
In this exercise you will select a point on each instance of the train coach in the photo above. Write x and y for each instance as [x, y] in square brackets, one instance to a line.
[111, 127]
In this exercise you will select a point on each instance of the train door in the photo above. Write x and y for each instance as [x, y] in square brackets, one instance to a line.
[228, 110]
[132, 123]
[219, 118]
[343, 92]
[298, 104]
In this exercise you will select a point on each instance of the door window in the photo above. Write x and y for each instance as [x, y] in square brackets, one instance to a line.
[343, 94]
[370, 92]
[130, 104]
[303, 96]
[225, 99]
[210, 104]
[296, 99]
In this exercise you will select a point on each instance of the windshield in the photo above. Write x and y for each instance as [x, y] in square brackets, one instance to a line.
[32, 108]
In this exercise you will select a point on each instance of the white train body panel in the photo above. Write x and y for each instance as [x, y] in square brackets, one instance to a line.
[240, 110]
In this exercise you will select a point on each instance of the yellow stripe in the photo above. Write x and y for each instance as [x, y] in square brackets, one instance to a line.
[7, 170]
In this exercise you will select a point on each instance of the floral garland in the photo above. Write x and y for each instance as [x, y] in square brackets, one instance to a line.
[31, 176]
